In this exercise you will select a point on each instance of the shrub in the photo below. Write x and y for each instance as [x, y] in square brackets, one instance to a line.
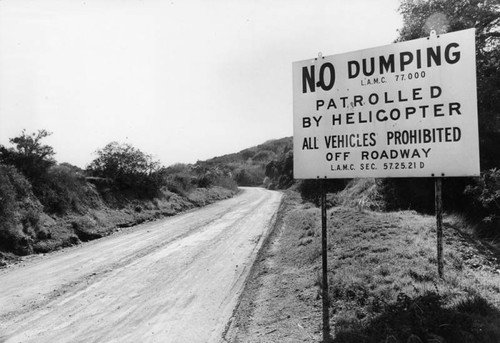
[180, 183]
[225, 182]
[252, 175]
[85, 229]
[8, 194]
[418, 194]
[64, 189]
[408, 193]
[311, 190]
[204, 181]
[485, 192]
[132, 171]
[361, 194]
[264, 156]
[19, 211]
[247, 154]
[280, 171]
[178, 168]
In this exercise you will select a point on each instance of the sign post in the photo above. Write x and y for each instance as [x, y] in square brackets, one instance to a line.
[402, 110]
[324, 262]
[439, 223]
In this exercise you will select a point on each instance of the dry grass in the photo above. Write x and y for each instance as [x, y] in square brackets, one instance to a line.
[361, 194]
[73, 229]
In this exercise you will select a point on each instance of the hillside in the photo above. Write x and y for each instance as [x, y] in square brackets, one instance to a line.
[248, 167]
[264, 152]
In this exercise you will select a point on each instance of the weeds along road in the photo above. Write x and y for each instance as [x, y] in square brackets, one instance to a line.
[173, 280]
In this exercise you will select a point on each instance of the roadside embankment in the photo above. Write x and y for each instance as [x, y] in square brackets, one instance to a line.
[56, 232]
[383, 281]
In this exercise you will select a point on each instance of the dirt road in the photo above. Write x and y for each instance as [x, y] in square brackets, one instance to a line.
[174, 280]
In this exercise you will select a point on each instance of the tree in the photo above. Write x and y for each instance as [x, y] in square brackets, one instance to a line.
[420, 17]
[29, 155]
[129, 169]
[280, 171]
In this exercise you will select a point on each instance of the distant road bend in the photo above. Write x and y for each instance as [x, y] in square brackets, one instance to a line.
[173, 280]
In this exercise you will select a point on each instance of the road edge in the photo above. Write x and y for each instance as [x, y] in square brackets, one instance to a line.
[244, 306]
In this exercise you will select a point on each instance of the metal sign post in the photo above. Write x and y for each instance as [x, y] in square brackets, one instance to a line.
[324, 258]
[439, 223]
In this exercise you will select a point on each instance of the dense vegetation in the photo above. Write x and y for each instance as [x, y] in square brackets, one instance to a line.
[475, 196]
[249, 167]
[45, 205]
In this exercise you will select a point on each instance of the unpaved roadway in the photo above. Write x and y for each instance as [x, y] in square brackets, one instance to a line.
[173, 280]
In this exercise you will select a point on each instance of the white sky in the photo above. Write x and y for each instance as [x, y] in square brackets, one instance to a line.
[181, 80]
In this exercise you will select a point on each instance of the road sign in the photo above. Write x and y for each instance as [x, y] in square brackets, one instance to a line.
[403, 110]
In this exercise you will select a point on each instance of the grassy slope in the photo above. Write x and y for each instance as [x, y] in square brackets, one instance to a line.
[382, 278]
[277, 146]
[385, 281]
[101, 222]
[64, 231]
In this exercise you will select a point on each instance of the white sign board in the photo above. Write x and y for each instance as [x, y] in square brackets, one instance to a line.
[402, 110]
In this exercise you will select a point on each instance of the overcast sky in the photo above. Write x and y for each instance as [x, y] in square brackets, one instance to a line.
[181, 80]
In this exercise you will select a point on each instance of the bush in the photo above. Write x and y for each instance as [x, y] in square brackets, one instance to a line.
[19, 211]
[408, 193]
[64, 189]
[8, 194]
[132, 171]
[178, 168]
[252, 175]
[225, 182]
[311, 190]
[280, 171]
[485, 192]
[264, 156]
[216, 175]
[247, 154]
[85, 229]
[205, 181]
[362, 194]
[418, 194]
[180, 183]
